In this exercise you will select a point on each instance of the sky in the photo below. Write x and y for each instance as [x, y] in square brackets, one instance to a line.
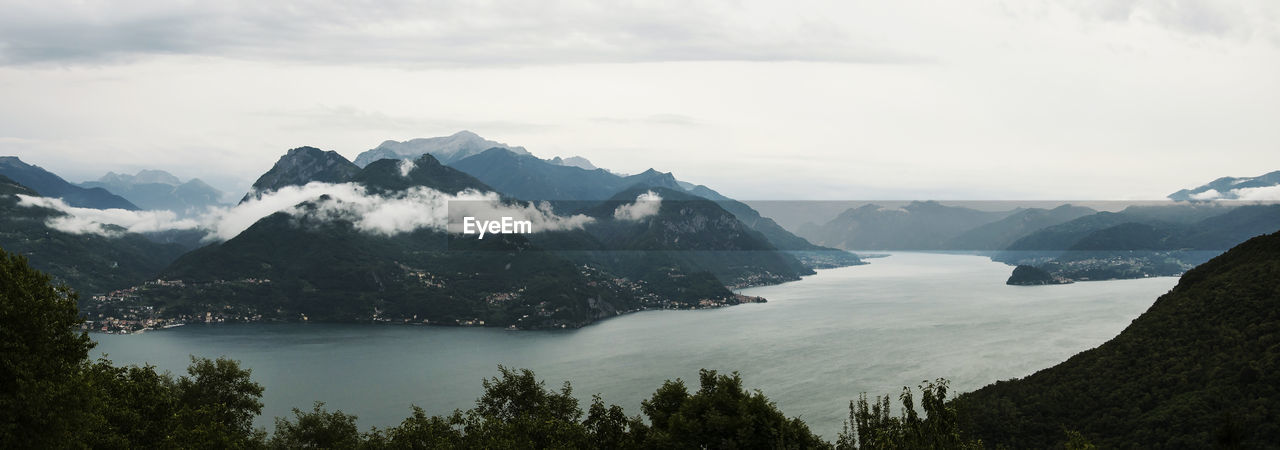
[761, 100]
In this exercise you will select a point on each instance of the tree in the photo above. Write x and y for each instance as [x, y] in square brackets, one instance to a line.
[721, 414]
[874, 426]
[218, 401]
[42, 360]
[316, 429]
[517, 411]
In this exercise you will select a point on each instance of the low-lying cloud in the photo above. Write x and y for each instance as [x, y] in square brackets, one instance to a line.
[1264, 193]
[646, 205]
[106, 222]
[385, 215]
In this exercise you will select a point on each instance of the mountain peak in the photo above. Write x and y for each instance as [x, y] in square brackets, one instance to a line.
[446, 149]
[303, 165]
[144, 176]
[573, 161]
[1232, 188]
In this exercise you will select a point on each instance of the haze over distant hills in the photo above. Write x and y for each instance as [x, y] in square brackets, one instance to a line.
[89, 263]
[50, 185]
[160, 190]
[323, 204]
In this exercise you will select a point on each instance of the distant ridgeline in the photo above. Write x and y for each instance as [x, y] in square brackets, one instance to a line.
[1199, 369]
[306, 263]
[1068, 242]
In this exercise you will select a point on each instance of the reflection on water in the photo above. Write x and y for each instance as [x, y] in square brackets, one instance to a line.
[816, 344]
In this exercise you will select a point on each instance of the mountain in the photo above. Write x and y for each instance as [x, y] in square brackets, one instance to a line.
[573, 161]
[50, 185]
[446, 149]
[652, 177]
[1002, 233]
[1198, 369]
[1140, 241]
[145, 176]
[689, 233]
[159, 190]
[916, 226]
[389, 175]
[89, 263]
[300, 166]
[1230, 188]
[569, 188]
[526, 177]
[316, 265]
[1156, 228]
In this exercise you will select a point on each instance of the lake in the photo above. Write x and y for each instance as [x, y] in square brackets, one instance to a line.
[814, 346]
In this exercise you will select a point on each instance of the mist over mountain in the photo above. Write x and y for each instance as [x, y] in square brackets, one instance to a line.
[573, 161]
[50, 185]
[1002, 233]
[927, 225]
[1262, 187]
[1140, 241]
[446, 149]
[300, 166]
[529, 178]
[526, 177]
[324, 265]
[160, 190]
[1200, 227]
[87, 262]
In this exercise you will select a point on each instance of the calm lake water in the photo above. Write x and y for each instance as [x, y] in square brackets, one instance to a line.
[814, 346]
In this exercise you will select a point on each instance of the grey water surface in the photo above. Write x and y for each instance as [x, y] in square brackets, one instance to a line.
[814, 346]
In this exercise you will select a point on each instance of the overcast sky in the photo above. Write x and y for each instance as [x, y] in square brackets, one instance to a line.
[1105, 99]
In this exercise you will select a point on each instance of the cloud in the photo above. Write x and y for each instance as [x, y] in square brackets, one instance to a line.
[646, 204]
[439, 32]
[386, 215]
[1265, 193]
[98, 221]
[1207, 195]
[406, 166]
[1237, 18]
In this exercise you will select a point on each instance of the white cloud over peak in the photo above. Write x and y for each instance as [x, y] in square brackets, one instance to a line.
[385, 215]
[646, 205]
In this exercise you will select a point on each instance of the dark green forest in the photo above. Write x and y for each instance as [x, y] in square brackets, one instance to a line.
[1198, 369]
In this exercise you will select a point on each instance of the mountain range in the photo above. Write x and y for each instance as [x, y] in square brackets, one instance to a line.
[89, 263]
[314, 262]
[49, 185]
[917, 226]
[689, 250]
[325, 268]
[160, 190]
[1232, 188]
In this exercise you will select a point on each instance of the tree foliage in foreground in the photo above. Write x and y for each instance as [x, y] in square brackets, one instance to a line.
[874, 427]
